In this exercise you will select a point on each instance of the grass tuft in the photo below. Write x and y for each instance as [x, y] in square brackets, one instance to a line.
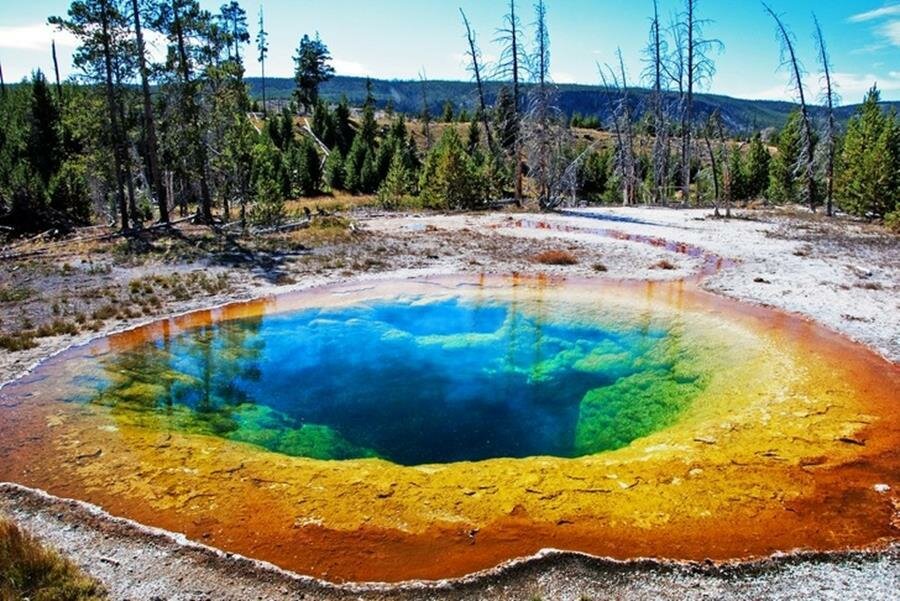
[29, 570]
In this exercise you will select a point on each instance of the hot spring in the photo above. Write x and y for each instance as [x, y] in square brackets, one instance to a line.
[431, 428]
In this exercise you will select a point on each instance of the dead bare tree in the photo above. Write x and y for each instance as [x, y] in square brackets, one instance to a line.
[830, 99]
[790, 61]
[56, 72]
[707, 131]
[2, 82]
[694, 58]
[655, 53]
[474, 54]
[628, 129]
[622, 128]
[509, 68]
[727, 175]
[426, 112]
[546, 137]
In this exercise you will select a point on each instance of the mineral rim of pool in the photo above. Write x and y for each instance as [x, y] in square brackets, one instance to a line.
[428, 429]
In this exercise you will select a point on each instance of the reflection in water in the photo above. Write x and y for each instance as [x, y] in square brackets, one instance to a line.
[410, 381]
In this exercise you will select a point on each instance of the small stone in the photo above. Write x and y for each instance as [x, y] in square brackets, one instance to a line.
[881, 488]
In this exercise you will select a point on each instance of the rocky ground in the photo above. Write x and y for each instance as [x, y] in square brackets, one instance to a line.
[54, 294]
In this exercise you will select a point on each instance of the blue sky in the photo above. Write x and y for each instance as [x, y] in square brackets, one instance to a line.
[398, 38]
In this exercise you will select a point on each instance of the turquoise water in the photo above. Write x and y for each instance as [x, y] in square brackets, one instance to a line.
[410, 381]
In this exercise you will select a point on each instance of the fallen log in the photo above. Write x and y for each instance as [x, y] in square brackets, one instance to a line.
[295, 225]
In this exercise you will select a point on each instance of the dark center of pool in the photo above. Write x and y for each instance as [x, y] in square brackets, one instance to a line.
[412, 382]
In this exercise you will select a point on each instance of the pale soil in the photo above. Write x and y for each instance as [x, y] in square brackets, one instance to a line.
[845, 275]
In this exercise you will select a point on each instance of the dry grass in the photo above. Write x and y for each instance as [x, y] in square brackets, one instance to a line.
[339, 201]
[322, 231]
[555, 257]
[17, 342]
[29, 570]
[13, 294]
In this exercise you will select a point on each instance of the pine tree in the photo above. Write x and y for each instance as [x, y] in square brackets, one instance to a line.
[334, 170]
[343, 131]
[311, 69]
[595, 173]
[105, 56]
[447, 112]
[68, 192]
[262, 49]
[323, 124]
[306, 168]
[233, 19]
[397, 185]
[758, 160]
[449, 178]
[737, 184]
[187, 29]
[266, 178]
[238, 153]
[506, 122]
[473, 140]
[361, 165]
[44, 143]
[784, 181]
[869, 174]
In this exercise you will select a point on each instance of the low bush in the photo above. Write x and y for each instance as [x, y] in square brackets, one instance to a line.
[555, 257]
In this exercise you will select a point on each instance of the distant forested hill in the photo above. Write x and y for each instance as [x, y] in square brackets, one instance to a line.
[739, 115]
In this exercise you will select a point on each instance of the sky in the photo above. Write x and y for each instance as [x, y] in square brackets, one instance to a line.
[398, 39]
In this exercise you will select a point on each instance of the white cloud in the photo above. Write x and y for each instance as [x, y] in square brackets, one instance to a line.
[891, 31]
[885, 11]
[34, 37]
[351, 68]
[851, 87]
[886, 29]
[563, 77]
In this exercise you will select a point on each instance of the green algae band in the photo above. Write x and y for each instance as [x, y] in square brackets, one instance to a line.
[411, 380]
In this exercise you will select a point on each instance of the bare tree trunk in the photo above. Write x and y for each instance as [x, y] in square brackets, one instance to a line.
[517, 101]
[263, 50]
[543, 108]
[149, 123]
[623, 145]
[56, 72]
[199, 147]
[808, 144]
[426, 114]
[2, 82]
[715, 171]
[660, 166]
[830, 132]
[136, 221]
[113, 115]
[687, 120]
[474, 53]
[727, 176]
[631, 184]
